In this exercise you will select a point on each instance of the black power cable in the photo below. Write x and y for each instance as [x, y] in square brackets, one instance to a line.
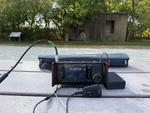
[37, 105]
[49, 97]
[45, 99]
[5, 75]
[87, 91]
[75, 95]
[67, 103]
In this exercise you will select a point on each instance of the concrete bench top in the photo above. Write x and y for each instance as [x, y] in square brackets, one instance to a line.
[30, 80]
[134, 67]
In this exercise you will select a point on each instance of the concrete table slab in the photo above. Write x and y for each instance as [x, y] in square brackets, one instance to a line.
[28, 78]
[11, 104]
[22, 66]
[34, 66]
[35, 82]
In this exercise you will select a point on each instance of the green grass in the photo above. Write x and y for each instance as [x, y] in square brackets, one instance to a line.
[129, 44]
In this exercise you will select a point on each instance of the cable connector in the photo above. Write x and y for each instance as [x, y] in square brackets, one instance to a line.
[107, 58]
[52, 43]
[56, 58]
[3, 77]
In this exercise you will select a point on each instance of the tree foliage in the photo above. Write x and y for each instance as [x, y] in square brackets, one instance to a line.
[38, 15]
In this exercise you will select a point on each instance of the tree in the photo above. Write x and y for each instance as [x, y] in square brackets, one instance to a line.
[69, 14]
[73, 13]
[2, 16]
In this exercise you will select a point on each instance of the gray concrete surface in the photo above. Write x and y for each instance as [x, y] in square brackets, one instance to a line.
[28, 78]
[84, 105]
[138, 66]
[35, 82]
[13, 52]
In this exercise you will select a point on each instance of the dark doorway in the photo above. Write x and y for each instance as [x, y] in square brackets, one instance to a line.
[110, 25]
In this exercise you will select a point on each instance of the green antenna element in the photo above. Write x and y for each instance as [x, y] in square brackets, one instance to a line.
[52, 43]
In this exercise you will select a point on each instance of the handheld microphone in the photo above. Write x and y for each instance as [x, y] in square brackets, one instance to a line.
[92, 91]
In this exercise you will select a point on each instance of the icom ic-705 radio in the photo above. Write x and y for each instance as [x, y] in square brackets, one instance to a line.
[77, 73]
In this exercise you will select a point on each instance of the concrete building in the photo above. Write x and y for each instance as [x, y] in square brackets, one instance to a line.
[102, 27]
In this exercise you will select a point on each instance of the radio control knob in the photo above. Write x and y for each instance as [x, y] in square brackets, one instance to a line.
[97, 78]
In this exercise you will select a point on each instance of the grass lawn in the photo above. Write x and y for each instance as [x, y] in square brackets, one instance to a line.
[129, 44]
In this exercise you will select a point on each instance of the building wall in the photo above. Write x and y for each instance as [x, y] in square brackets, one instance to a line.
[103, 27]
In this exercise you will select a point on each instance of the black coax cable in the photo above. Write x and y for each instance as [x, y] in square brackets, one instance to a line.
[46, 98]
[5, 75]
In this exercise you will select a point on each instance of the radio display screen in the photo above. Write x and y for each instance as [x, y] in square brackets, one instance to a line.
[75, 71]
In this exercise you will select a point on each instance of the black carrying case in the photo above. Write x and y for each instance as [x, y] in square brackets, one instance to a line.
[116, 59]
